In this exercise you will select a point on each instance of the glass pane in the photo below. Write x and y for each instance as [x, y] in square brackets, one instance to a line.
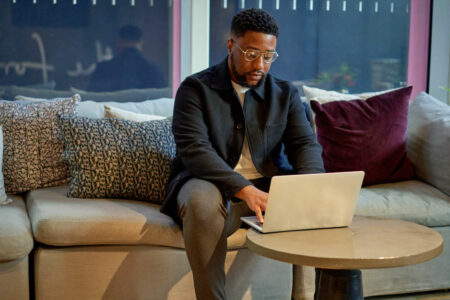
[345, 45]
[86, 45]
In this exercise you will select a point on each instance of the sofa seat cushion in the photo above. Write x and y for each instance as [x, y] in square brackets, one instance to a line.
[411, 200]
[16, 239]
[59, 220]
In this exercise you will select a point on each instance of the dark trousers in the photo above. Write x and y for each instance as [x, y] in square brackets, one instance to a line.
[208, 220]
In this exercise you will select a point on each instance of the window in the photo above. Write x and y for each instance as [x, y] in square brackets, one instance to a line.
[63, 45]
[346, 45]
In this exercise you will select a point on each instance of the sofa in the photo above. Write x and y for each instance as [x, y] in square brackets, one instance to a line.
[54, 246]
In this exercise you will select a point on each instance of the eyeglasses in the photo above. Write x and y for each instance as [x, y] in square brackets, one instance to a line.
[252, 54]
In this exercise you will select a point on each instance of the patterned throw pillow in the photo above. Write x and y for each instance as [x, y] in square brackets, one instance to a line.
[33, 143]
[111, 158]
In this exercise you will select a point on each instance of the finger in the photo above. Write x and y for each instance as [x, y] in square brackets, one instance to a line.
[259, 215]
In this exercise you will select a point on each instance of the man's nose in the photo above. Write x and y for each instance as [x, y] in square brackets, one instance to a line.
[258, 63]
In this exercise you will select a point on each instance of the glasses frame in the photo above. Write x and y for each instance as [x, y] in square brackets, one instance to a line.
[275, 54]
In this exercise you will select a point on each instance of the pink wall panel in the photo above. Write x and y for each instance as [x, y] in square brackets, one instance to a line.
[419, 34]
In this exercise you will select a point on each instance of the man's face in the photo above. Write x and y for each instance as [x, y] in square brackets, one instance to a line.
[249, 73]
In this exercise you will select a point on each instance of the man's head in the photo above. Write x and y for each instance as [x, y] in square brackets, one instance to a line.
[129, 36]
[253, 32]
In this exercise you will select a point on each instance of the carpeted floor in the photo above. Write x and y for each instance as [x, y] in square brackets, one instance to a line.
[438, 295]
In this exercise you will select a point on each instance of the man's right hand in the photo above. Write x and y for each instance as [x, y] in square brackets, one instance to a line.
[255, 199]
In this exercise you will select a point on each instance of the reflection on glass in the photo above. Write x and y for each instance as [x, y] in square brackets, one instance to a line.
[85, 45]
[129, 68]
[350, 46]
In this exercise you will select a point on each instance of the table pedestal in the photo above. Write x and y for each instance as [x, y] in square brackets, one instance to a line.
[338, 285]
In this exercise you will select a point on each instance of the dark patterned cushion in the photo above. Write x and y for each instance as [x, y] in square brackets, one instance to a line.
[33, 143]
[110, 158]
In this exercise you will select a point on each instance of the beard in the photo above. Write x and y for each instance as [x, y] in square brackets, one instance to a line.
[242, 81]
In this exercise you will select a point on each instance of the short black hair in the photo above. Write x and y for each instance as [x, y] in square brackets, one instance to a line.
[255, 20]
[130, 33]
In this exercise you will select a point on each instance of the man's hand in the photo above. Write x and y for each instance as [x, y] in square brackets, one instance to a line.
[255, 199]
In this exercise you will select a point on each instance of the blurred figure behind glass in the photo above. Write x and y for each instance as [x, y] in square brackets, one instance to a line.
[129, 68]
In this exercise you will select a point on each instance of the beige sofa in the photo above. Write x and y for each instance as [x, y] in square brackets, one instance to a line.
[425, 200]
[16, 243]
[126, 249]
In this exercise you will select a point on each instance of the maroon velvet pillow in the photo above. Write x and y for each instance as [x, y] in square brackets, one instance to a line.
[366, 135]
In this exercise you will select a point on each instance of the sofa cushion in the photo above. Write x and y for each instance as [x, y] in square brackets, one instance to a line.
[122, 114]
[58, 220]
[16, 239]
[325, 96]
[32, 144]
[428, 143]
[116, 158]
[411, 200]
[366, 135]
[96, 110]
[3, 198]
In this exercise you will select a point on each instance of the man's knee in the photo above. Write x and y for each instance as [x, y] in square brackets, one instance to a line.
[200, 199]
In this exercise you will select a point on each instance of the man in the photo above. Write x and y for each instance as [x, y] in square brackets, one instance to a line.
[129, 68]
[230, 123]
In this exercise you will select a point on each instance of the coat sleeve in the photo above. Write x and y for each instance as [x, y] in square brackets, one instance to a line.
[303, 151]
[193, 143]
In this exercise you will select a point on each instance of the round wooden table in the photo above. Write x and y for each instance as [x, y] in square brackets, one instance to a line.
[340, 253]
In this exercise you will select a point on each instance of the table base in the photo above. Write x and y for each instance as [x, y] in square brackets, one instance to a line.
[338, 285]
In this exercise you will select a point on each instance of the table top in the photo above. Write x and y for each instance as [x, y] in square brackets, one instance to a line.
[368, 243]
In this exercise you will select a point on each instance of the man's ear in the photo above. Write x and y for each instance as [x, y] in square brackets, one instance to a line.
[229, 45]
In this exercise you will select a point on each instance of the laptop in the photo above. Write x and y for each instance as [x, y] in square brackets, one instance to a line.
[310, 201]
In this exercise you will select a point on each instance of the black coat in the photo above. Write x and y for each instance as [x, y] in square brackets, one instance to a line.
[209, 125]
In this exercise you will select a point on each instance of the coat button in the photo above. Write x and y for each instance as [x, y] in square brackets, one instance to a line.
[239, 126]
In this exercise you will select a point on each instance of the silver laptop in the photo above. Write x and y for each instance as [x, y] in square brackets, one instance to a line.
[310, 201]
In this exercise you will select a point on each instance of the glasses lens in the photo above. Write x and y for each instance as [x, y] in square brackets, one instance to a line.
[270, 56]
[252, 54]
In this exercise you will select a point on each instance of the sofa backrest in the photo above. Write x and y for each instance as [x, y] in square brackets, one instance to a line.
[428, 142]
[160, 107]
[11, 92]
